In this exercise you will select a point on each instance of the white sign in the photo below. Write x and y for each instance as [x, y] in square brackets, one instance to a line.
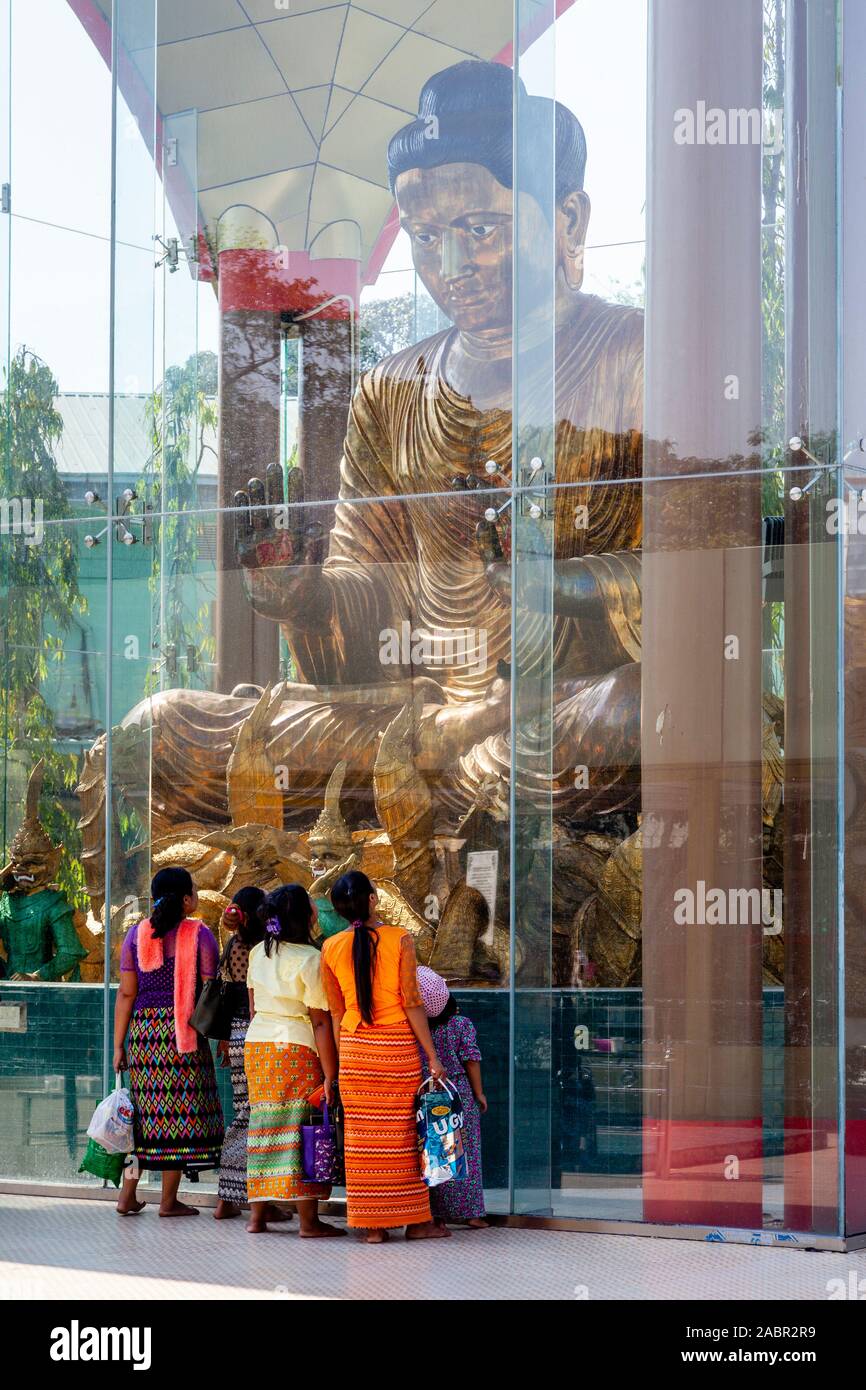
[482, 870]
[13, 1018]
[581, 1037]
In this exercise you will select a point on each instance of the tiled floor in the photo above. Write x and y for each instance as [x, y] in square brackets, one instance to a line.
[61, 1248]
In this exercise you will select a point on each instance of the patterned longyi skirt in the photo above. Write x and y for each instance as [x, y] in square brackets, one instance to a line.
[380, 1072]
[232, 1185]
[178, 1119]
[279, 1079]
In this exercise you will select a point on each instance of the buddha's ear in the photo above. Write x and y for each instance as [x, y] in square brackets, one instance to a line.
[572, 220]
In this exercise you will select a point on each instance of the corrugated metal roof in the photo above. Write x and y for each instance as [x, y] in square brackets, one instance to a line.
[83, 448]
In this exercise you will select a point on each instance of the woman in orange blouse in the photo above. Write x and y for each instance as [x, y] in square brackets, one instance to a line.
[370, 977]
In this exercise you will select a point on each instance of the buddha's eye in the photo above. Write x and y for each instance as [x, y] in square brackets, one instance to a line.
[480, 230]
[424, 238]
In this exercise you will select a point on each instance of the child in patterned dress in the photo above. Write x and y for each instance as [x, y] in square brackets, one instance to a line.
[457, 1048]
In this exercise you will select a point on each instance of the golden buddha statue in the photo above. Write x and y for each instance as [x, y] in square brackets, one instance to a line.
[408, 604]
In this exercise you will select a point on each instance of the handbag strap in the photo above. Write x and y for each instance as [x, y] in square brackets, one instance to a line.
[224, 955]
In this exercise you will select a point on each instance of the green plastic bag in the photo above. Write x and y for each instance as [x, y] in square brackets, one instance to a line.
[101, 1163]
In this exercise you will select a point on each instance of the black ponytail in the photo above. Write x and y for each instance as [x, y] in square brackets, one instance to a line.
[351, 898]
[252, 930]
[286, 915]
[167, 891]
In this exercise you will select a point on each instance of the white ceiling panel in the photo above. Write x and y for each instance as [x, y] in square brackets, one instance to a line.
[366, 41]
[306, 46]
[260, 11]
[283, 197]
[250, 139]
[358, 142]
[340, 99]
[477, 29]
[404, 12]
[336, 195]
[313, 104]
[403, 73]
[186, 19]
[215, 70]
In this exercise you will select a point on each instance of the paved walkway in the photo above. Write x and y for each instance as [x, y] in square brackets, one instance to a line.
[52, 1248]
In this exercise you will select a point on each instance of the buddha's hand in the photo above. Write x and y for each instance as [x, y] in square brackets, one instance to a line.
[496, 566]
[568, 588]
[281, 550]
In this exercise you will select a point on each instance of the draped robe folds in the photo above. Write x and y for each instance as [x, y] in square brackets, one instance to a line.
[395, 558]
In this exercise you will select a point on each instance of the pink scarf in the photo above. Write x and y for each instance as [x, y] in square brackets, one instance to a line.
[151, 956]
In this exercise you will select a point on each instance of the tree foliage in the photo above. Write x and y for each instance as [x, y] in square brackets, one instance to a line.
[41, 600]
[388, 325]
[180, 414]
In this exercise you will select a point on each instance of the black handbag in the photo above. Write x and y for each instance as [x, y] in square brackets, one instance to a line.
[216, 1004]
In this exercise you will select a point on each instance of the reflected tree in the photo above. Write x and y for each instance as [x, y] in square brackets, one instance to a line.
[41, 599]
[182, 413]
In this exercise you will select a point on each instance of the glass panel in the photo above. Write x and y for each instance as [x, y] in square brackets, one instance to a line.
[237, 782]
[696, 1099]
[854, 532]
[538, 304]
[139, 332]
[359, 505]
[61, 139]
[53, 664]
[701, 767]
[812, 613]
[54, 410]
[5, 338]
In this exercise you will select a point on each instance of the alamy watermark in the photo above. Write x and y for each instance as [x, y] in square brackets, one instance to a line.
[854, 1288]
[77, 1343]
[738, 125]
[846, 516]
[412, 646]
[729, 907]
[21, 517]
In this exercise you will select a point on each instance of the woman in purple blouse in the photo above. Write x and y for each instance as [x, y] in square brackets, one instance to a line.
[178, 1121]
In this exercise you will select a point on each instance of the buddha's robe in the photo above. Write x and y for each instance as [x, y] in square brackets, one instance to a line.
[403, 560]
[408, 557]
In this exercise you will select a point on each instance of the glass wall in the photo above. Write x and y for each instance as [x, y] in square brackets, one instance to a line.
[431, 418]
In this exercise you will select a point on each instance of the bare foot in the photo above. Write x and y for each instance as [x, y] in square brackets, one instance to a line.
[427, 1230]
[129, 1208]
[257, 1227]
[320, 1229]
[224, 1211]
[478, 1223]
[275, 1213]
[377, 1236]
[178, 1209]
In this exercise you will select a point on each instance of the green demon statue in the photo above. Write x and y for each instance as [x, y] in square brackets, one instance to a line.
[37, 928]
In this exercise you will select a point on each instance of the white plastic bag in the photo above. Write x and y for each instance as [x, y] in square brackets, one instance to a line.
[111, 1125]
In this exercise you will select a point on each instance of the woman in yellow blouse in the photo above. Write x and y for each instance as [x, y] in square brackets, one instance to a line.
[288, 1053]
[370, 977]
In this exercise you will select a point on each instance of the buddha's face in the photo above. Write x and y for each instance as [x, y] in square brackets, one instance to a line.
[460, 221]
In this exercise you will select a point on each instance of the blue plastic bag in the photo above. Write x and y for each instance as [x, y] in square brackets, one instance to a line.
[439, 1123]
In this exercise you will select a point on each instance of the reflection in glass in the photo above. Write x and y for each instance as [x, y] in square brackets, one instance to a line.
[403, 539]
